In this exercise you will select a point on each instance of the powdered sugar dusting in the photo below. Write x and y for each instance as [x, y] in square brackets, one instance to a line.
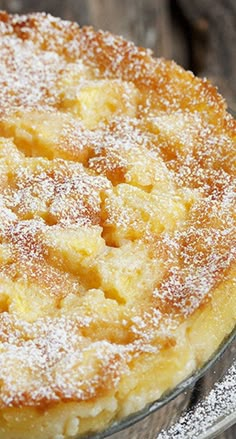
[50, 356]
[23, 70]
[215, 408]
[64, 193]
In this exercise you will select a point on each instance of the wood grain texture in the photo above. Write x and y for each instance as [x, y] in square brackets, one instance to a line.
[198, 34]
[213, 41]
[230, 434]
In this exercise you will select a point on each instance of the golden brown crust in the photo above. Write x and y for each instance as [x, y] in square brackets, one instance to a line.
[162, 82]
[117, 221]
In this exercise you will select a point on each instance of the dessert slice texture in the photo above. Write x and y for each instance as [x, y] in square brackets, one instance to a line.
[117, 227]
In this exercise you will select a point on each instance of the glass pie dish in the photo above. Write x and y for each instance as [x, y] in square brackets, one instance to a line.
[202, 406]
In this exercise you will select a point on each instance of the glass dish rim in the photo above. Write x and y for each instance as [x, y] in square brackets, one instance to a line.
[169, 396]
[219, 427]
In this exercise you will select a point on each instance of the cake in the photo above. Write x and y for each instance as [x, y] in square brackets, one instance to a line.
[117, 227]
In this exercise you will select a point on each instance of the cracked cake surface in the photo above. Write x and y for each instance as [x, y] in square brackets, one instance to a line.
[117, 227]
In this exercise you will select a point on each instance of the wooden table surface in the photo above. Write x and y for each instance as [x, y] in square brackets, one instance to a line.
[198, 34]
[230, 434]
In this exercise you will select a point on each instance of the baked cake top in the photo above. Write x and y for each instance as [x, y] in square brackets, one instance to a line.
[117, 217]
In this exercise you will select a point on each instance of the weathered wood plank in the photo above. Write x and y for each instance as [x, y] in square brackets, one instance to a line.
[213, 40]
